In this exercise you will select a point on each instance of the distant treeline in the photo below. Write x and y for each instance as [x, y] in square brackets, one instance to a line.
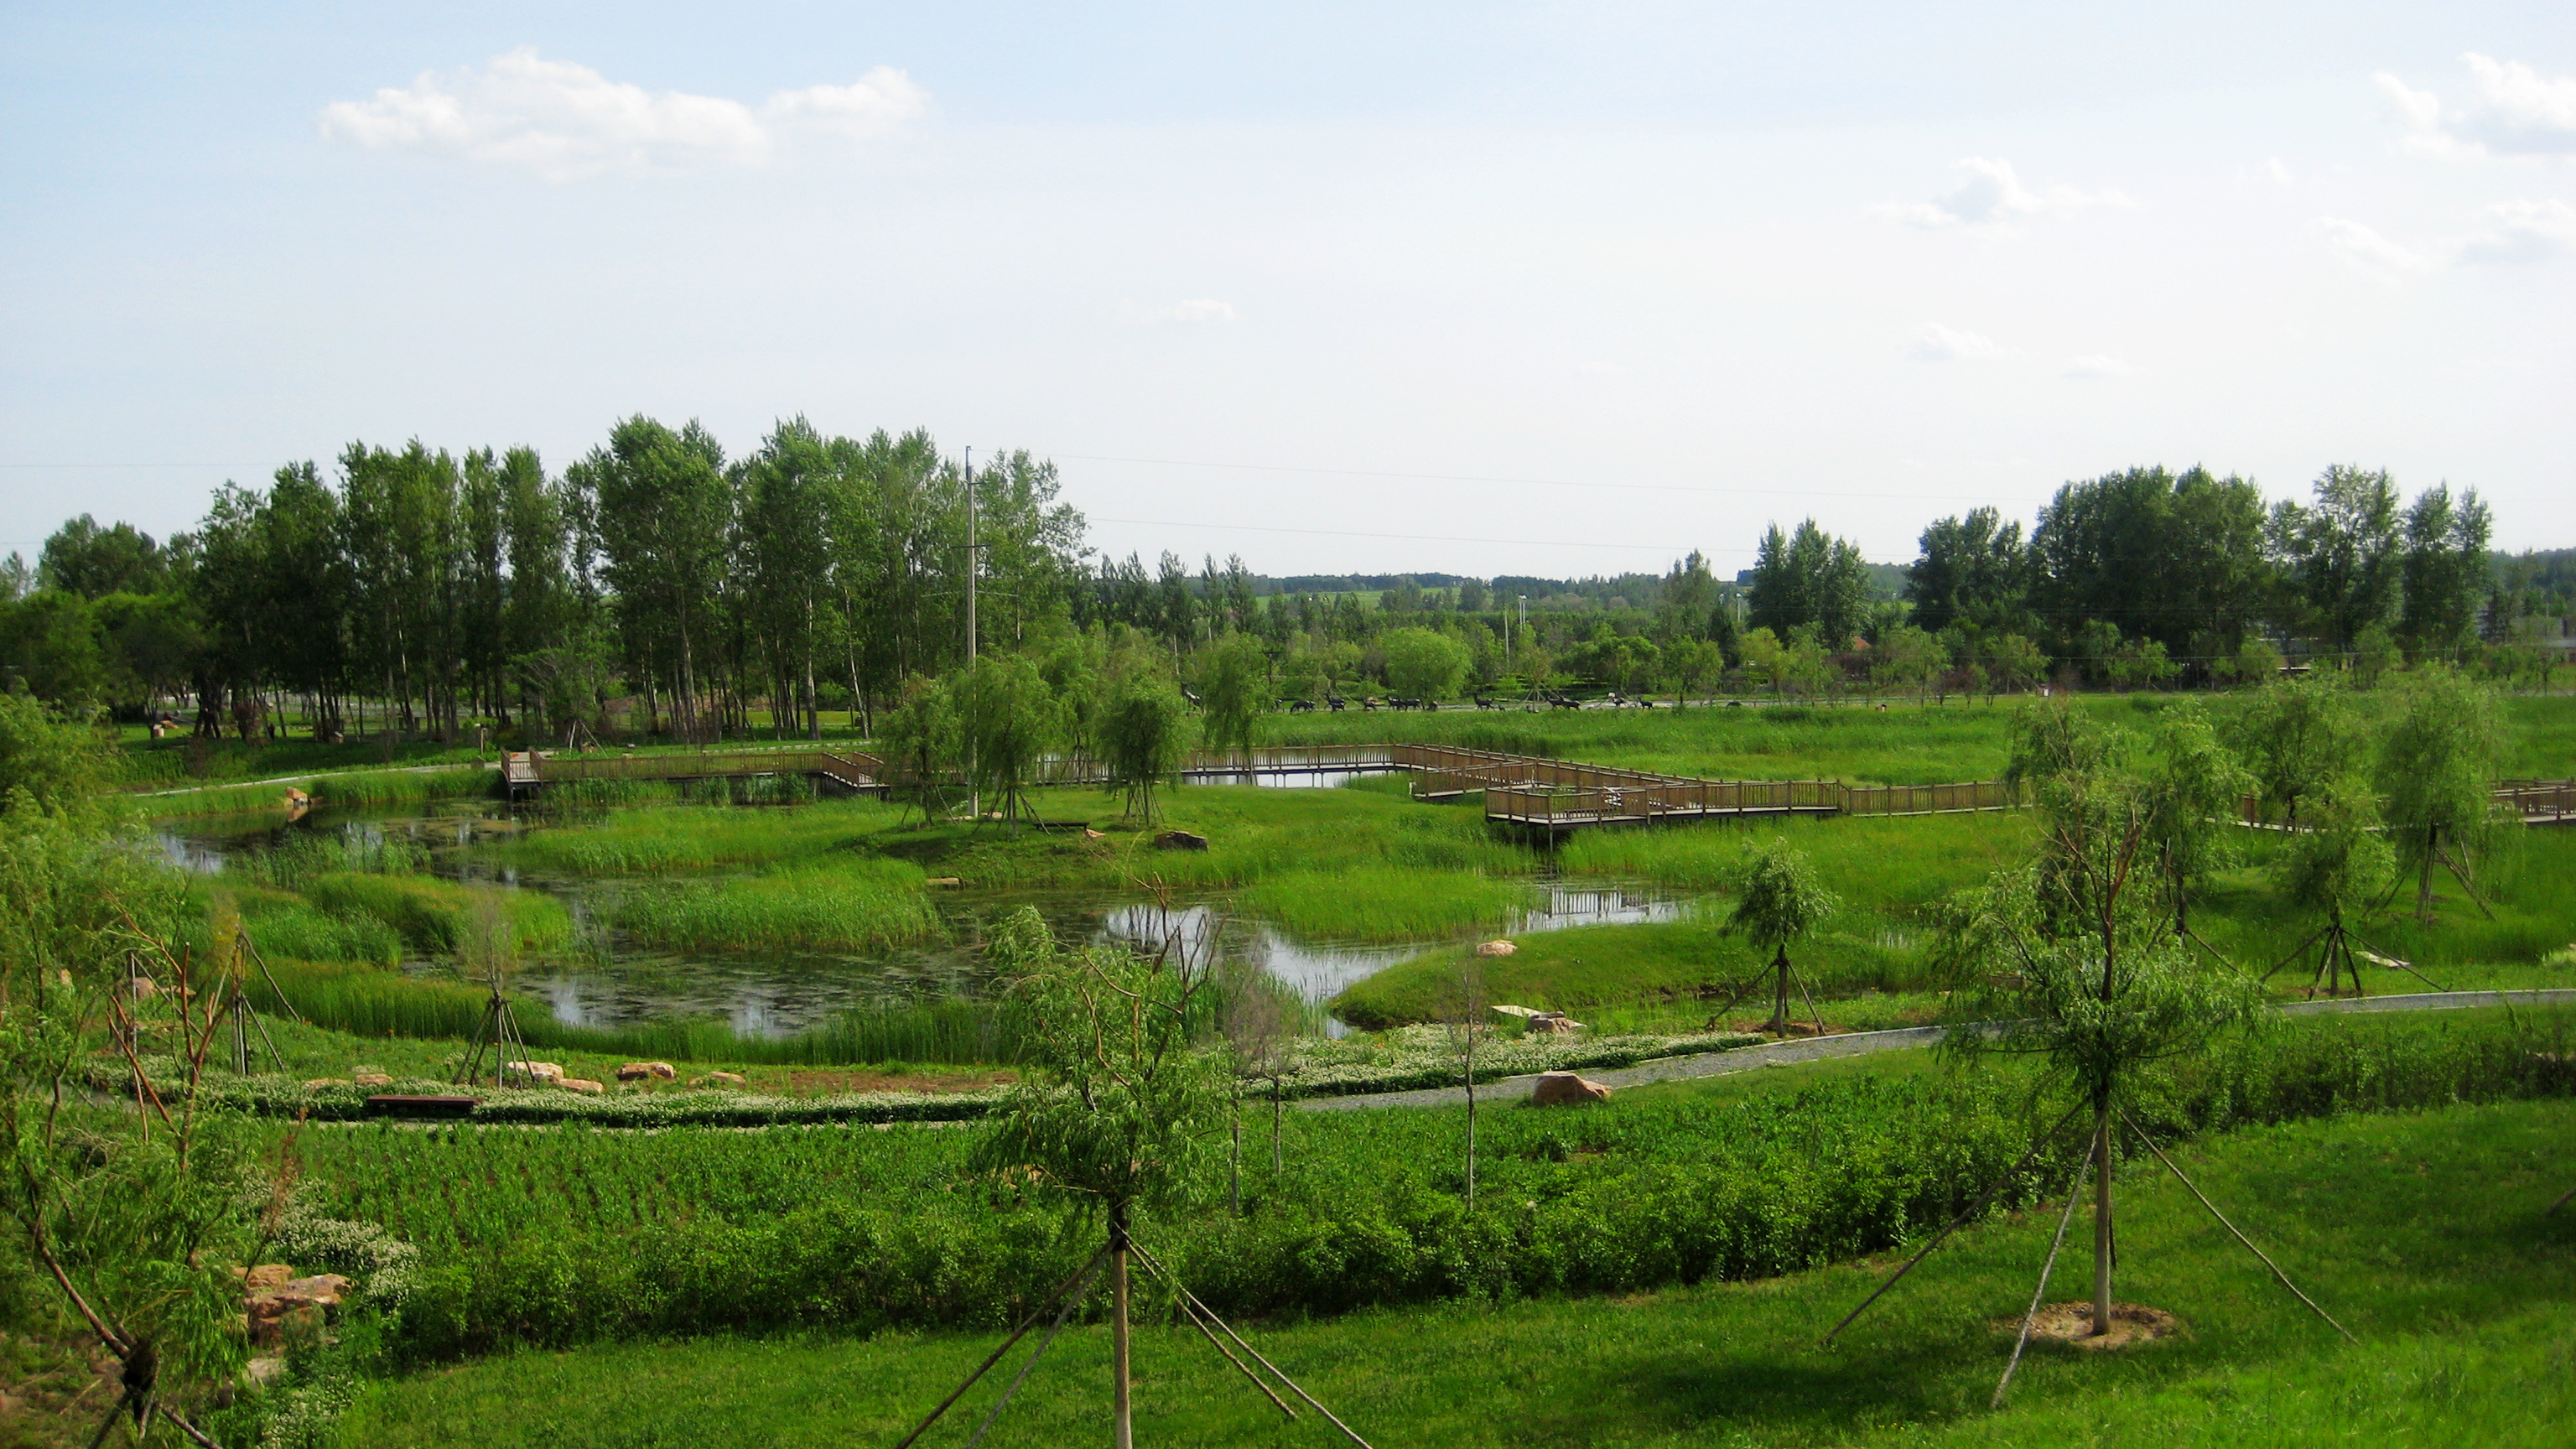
[415, 590]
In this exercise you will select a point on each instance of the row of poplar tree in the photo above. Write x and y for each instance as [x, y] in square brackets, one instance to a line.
[421, 589]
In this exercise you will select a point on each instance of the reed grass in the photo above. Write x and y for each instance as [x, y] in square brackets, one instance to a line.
[1392, 903]
[656, 839]
[370, 1001]
[860, 905]
[431, 914]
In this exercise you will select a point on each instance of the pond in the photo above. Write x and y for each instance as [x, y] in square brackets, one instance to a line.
[610, 979]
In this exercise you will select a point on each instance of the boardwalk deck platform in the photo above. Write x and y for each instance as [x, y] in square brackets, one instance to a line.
[849, 771]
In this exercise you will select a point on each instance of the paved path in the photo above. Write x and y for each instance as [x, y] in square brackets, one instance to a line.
[1862, 1043]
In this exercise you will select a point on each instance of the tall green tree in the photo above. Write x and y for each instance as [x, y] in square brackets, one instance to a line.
[1810, 578]
[84, 559]
[2445, 572]
[2343, 551]
[1974, 569]
[665, 512]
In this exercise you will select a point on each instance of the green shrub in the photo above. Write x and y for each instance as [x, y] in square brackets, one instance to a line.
[556, 1236]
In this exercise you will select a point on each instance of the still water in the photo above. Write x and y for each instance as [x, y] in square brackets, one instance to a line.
[609, 979]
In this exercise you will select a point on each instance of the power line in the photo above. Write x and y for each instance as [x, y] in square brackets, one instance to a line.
[1530, 482]
[1407, 537]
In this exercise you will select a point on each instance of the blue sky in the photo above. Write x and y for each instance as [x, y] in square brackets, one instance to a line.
[1553, 288]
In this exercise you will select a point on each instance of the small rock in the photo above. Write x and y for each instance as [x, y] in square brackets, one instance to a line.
[267, 1275]
[647, 1071]
[943, 882]
[1558, 1089]
[583, 1085]
[722, 1079]
[318, 1083]
[1180, 840]
[372, 1079]
[544, 1074]
[1090, 834]
[1497, 948]
[1550, 1023]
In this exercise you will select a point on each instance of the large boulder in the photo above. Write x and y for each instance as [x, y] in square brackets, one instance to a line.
[543, 1074]
[1559, 1089]
[1496, 948]
[647, 1071]
[315, 1299]
[372, 1079]
[1180, 840]
[583, 1085]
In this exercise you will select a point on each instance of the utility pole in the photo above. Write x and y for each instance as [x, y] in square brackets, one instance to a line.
[974, 566]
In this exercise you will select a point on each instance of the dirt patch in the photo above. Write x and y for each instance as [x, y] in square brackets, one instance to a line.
[2072, 1323]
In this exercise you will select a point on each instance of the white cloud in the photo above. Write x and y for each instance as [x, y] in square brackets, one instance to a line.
[1199, 309]
[2093, 366]
[2516, 111]
[1993, 195]
[2523, 231]
[565, 121]
[2367, 248]
[1937, 343]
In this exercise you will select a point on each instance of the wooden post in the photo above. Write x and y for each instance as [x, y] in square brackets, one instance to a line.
[1122, 1420]
[2101, 1215]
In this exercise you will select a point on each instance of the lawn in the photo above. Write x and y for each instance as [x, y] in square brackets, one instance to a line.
[2420, 1231]
[1893, 873]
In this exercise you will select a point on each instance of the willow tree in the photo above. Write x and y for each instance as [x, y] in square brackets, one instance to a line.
[2438, 764]
[2337, 865]
[1143, 734]
[1783, 902]
[2294, 735]
[1113, 1109]
[1234, 691]
[2192, 790]
[1010, 720]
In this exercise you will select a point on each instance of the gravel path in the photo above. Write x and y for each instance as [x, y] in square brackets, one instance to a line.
[1862, 1043]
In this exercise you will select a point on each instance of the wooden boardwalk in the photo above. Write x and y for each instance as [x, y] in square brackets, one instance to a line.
[850, 770]
[1525, 791]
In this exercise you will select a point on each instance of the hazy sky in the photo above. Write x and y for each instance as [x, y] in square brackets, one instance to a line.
[1487, 288]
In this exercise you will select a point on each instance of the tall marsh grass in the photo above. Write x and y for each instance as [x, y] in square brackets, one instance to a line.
[659, 838]
[859, 905]
[369, 1001]
[1392, 903]
[431, 914]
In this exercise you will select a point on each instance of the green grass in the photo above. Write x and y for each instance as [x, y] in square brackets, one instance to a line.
[1393, 903]
[657, 840]
[431, 914]
[1871, 962]
[355, 787]
[859, 904]
[2420, 1231]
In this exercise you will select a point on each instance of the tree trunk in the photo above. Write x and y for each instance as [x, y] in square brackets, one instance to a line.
[1779, 1025]
[1122, 1418]
[2424, 885]
[1234, 1164]
[2102, 1215]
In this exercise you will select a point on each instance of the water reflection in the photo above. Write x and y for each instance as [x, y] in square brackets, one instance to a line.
[611, 980]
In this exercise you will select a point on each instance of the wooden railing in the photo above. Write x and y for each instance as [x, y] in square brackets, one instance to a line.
[848, 767]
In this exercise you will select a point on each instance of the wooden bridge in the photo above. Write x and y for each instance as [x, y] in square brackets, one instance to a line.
[847, 770]
[2539, 802]
[1560, 795]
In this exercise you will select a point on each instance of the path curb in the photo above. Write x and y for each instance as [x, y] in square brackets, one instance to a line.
[1863, 1043]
